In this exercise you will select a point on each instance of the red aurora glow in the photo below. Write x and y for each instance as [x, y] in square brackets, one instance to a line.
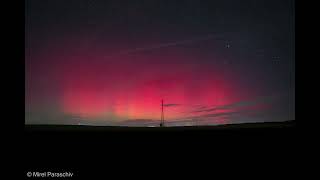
[112, 62]
[111, 88]
[93, 84]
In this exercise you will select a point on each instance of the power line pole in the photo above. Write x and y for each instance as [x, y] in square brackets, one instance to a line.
[162, 115]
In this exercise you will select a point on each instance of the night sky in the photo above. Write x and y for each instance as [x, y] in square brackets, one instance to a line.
[110, 62]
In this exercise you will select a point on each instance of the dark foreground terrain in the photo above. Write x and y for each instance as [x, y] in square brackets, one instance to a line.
[78, 144]
[244, 126]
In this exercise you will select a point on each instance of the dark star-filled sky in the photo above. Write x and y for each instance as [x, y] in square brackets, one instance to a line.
[110, 62]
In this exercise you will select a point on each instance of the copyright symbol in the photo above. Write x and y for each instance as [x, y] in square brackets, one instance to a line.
[29, 174]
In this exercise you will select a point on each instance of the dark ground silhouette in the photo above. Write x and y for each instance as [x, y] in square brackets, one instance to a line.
[243, 126]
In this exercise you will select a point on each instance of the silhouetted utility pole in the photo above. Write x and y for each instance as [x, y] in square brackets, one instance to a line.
[162, 115]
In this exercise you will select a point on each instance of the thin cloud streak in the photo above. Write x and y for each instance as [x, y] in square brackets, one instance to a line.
[171, 105]
[166, 45]
[247, 103]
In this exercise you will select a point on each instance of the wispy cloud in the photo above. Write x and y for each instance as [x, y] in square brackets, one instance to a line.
[245, 103]
[169, 44]
[171, 105]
